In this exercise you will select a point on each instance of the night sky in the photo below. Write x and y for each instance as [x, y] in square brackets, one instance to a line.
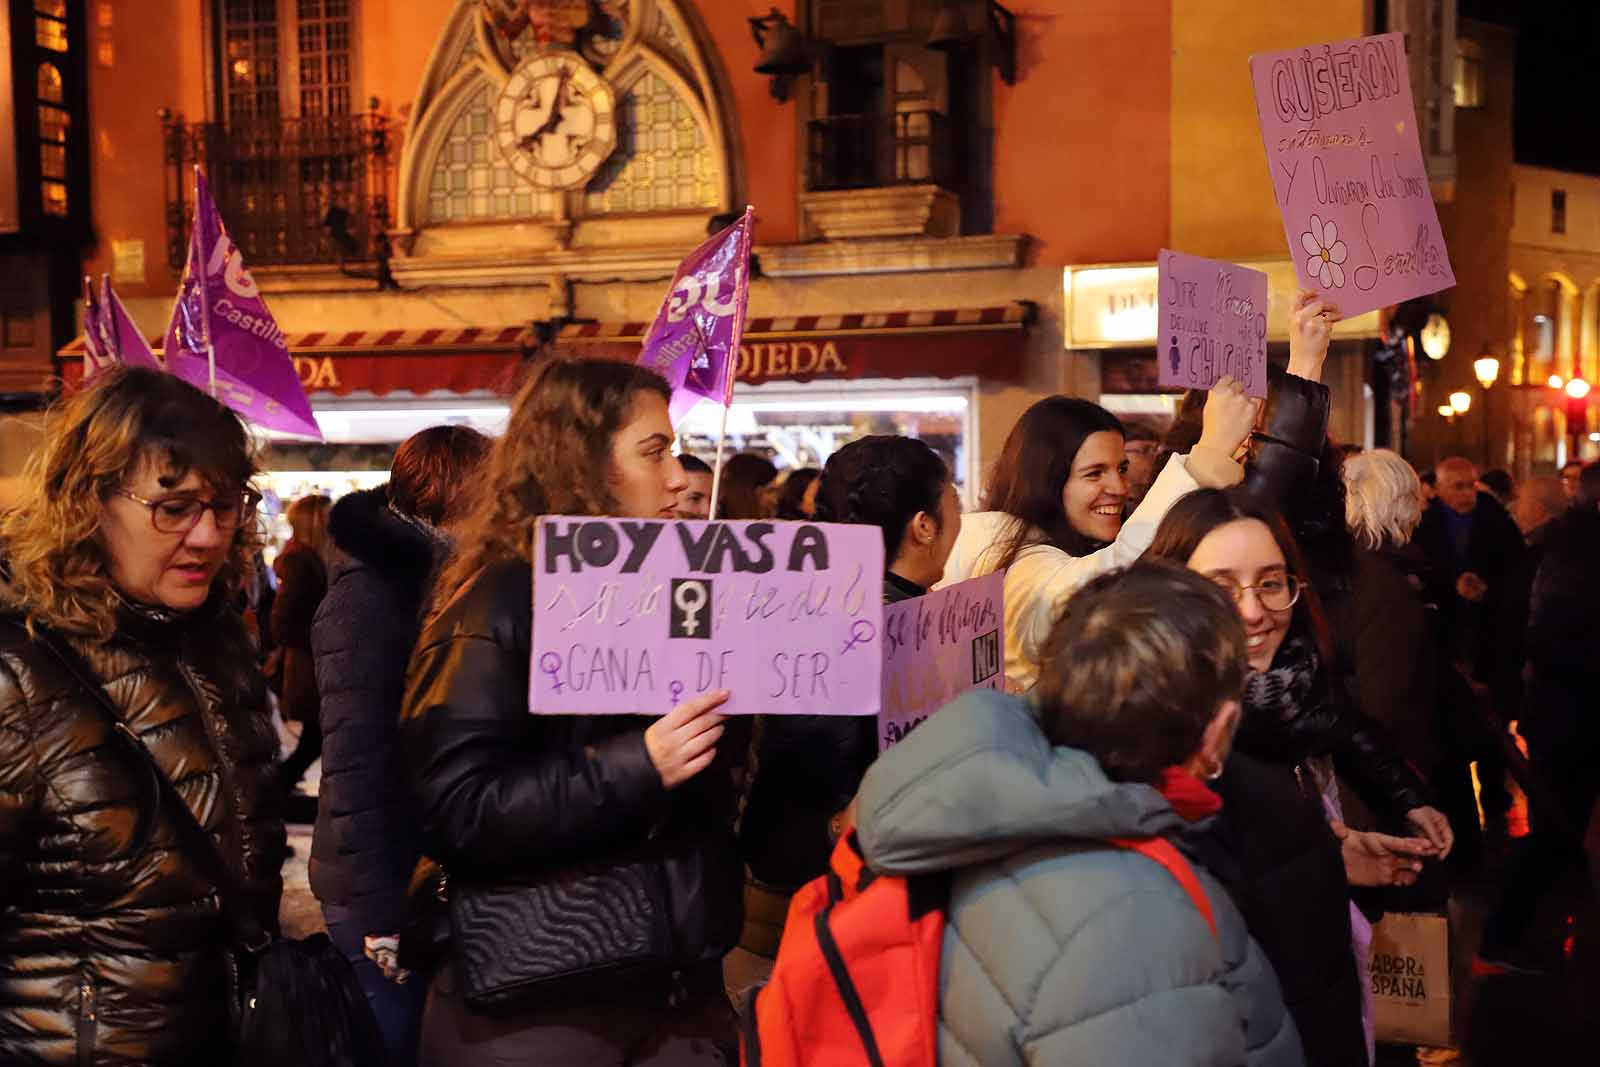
[1558, 62]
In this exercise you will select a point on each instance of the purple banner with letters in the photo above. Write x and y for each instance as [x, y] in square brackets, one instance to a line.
[220, 308]
[1213, 322]
[633, 616]
[1341, 138]
[694, 342]
[937, 647]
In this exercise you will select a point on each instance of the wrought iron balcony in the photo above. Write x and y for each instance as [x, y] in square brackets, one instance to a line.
[291, 191]
[872, 151]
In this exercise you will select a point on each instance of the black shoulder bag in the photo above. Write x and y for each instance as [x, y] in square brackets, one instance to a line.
[299, 1001]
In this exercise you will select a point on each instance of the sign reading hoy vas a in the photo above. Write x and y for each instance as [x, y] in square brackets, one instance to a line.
[632, 616]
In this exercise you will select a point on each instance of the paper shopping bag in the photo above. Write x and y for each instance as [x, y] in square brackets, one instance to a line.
[1410, 974]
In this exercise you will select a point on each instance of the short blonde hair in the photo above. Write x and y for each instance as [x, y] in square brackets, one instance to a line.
[94, 441]
[1383, 498]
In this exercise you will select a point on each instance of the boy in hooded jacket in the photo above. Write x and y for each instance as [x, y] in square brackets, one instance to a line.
[1061, 948]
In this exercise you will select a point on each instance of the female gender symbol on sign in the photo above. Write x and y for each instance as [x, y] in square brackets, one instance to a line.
[550, 664]
[862, 632]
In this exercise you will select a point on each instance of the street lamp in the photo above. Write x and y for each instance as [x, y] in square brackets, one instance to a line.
[1460, 403]
[1487, 369]
[1577, 389]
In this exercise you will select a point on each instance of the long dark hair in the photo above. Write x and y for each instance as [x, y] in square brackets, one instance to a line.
[1033, 469]
[743, 478]
[552, 460]
[1196, 515]
[792, 501]
[882, 481]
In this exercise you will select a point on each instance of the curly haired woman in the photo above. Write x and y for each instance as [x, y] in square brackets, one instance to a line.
[571, 808]
[134, 534]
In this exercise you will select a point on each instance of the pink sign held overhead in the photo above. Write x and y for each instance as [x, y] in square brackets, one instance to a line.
[634, 616]
[1341, 136]
[1213, 323]
[937, 647]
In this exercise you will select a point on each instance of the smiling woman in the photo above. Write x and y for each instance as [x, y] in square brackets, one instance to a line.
[1055, 502]
[135, 525]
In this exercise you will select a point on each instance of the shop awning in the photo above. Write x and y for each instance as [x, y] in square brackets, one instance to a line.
[980, 342]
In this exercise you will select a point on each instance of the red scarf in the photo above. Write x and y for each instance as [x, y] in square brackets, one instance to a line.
[1188, 795]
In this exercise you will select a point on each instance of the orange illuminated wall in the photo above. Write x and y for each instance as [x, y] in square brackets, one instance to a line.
[1082, 141]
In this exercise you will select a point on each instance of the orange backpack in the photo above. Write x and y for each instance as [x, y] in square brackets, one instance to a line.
[857, 976]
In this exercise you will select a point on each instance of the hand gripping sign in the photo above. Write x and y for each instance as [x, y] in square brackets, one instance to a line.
[1341, 138]
[633, 616]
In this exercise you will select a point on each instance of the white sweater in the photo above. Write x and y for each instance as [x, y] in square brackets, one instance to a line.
[1043, 576]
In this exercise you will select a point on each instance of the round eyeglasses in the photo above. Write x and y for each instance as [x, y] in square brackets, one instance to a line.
[180, 514]
[1277, 593]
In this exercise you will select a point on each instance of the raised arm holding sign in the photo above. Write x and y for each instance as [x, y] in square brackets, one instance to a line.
[1340, 131]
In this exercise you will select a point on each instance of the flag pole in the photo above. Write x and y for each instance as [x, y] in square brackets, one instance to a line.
[747, 224]
[716, 471]
[205, 298]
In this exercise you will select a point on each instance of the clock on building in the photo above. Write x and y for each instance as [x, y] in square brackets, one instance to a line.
[555, 120]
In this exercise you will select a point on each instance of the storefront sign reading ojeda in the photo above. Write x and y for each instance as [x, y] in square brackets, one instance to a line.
[633, 616]
[1341, 138]
[937, 647]
[1213, 322]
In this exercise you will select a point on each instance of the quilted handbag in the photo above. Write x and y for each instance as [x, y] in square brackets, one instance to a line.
[586, 928]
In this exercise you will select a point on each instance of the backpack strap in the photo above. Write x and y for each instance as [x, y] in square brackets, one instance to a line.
[1161, 850]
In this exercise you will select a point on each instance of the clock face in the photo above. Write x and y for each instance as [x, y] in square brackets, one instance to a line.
[555, 121]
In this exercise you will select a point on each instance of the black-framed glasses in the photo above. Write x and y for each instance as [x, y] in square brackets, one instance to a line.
[1277, 593]
[180, 514]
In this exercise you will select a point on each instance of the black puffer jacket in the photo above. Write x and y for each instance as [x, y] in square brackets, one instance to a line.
[505, 796]
[112, 946]
[366, 843]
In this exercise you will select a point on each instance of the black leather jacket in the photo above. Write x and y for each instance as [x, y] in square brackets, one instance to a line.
[502, 795]
[113, 950]
[1285, 471]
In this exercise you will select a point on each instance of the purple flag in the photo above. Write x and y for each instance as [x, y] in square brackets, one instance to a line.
[95, 357]
[120, 336]
[694, 342]
[219, 316]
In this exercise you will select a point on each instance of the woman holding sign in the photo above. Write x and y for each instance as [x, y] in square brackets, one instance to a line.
[1054, 507]
[812, 765]
[593, 877]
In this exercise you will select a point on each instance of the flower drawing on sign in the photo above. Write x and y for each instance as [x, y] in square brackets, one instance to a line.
[1325, 251]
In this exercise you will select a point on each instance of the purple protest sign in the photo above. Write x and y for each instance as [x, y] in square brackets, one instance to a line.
[1213, 322]
[937, 647]
[96, 359]
[220, 310]
[1341, 138]
[633, 616]
[694, 342]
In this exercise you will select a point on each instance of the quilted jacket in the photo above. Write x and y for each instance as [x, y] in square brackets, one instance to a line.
[1060, 950]
[113, 949]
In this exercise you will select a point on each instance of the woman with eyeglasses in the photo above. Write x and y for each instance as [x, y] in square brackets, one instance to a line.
[1293, 860]
[126, 553]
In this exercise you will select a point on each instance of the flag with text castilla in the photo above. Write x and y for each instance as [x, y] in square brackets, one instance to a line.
[694, 341]
[222, 338]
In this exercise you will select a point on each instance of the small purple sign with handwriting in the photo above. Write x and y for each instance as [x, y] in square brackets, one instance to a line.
[937, 647]
[633, 616]
[1213, 321]
[1341, 137]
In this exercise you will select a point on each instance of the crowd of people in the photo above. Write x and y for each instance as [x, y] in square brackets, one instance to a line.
[1285, 668]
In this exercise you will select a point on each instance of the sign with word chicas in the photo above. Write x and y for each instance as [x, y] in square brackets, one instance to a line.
[634, 616]
[1213, 322]
[937, 647]
[1351, 182]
